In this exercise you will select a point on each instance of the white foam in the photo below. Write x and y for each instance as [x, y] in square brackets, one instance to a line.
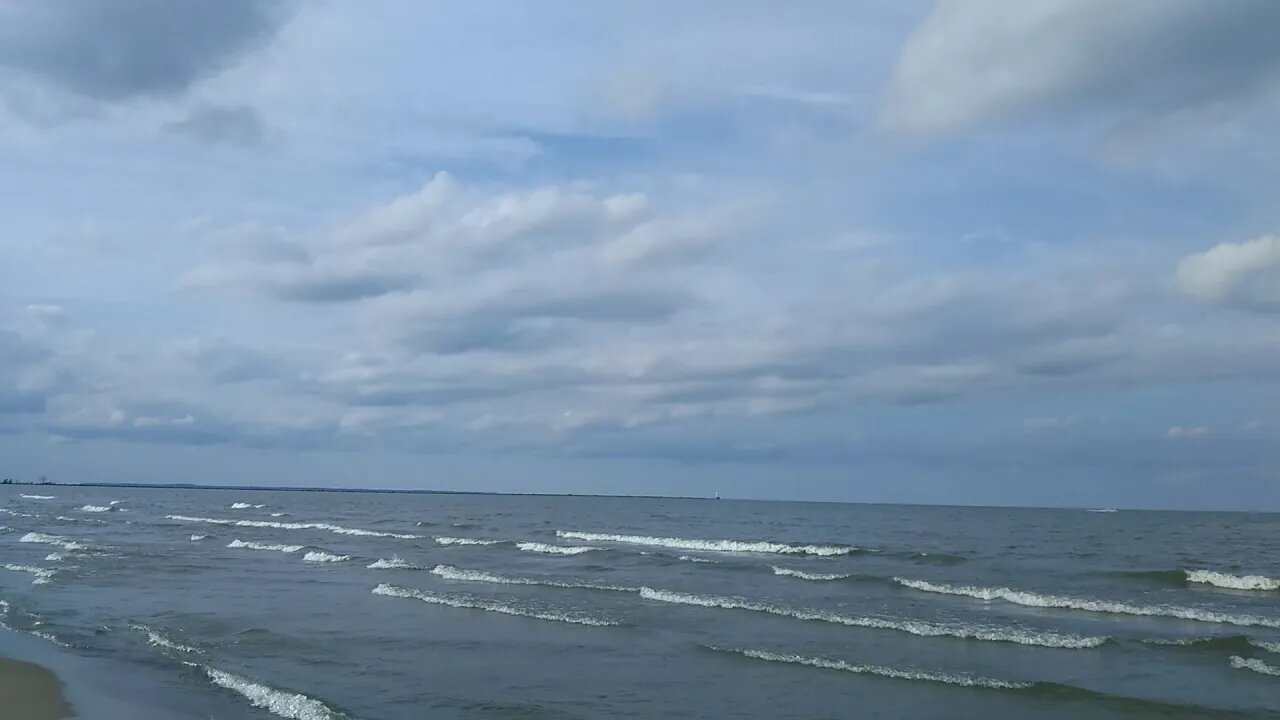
[316, 556]
[37, 497]
[788, 572]
[695, 559]
[464, 541]
[291, 526]
[554, 549]
[198, 538]
[395, 563]
[449, 572]
[55, 556]
[1234, 582]
[477, 604]
[1102, 510]
[245, 506]
[1029, 599]
[42, 575]
[95, 508]
[249, 544]
[1264, 645]
[16, 513]
[1255, 665]
[915, 627]
[950, 679]
[278, 514]
[285, 704]
[155, 638]
[710, 545]
[65, 544]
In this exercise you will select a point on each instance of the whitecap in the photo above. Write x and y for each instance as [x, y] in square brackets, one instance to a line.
[1264, 645]
[95, 508]
[449, 572]
[464, 541]
[249, 544]
[1255, 665]
[316, 556]
[155, 638]
[1102, 510]
[695, 559]
[291, 526]
[278, 514]
[486, 605]
[1234, 582]
[915, 627]
[55, 557]
[16, 513]
[1019, 597]
[198, 538]
[37, 497]
[710, 545]
[554, 549]
[788, 572]
[293, 706]
[948, 678]
[65, 544]
[42, 575]
[395, 563]
[245, 506]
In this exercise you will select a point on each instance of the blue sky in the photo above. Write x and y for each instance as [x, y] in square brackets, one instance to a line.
[973, 252]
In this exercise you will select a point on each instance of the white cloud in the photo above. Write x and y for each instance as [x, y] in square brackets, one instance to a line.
[1243, 275]
[1178, 432]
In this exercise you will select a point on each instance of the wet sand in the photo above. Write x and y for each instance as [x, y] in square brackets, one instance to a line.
[30, 692]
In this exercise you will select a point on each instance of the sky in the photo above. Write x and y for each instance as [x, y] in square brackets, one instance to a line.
[971, 252]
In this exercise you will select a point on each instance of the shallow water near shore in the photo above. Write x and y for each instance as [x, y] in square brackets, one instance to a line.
[329, 605]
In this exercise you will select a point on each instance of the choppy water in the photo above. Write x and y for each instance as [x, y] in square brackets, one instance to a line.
[374, 606]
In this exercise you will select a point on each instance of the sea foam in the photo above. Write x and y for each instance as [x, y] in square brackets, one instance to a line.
[1234, 582]
[245, 506]
[914, 627]
[489, 606]
[554, 549]
[1029, 599]
[788, 572]
[291, 526]
[395, 563]
[316, 556]
[464, 541]
[198, 538]
[742, 546]
[450, 572]
[158, 640]
[948, 678]
[1255, 665]
[292, 706]
[95, 508]
[42, 575]
[65, 544]
[249, 544]
[37, 497]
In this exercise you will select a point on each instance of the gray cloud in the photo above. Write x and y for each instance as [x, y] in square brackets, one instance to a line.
[217, 125]
[119, 49]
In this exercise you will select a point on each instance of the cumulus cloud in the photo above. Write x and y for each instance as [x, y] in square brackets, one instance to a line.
[977, 61]
[1243, 275]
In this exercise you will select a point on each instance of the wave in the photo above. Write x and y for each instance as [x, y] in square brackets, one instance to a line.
[16, 513]
[245, 506]
[42, 575]
[1255, 665]
[464, 541]
[65, 544]
[477, 604]
[554, 549]
[788, 572]
[695, 559]
[249, 544]
[914, 627]
[278, 514]
[198, 538]
[1222, 643]
[449, 572]
[948, 678]
[395, 563]
[316, 556]
[37, 497]
[1019, 597]
[95, 508]
[711, 545]
[1234, 582]
[1268, 646]
[1102, 510]
[291, 526]
[279, 702]
[158, 640]
[55, 556]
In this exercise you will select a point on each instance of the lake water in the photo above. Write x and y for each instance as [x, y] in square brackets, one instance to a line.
[239, 604]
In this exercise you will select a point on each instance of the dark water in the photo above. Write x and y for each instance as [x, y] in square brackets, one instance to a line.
[919, 612]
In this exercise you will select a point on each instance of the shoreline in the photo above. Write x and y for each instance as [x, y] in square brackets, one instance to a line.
[31, 692]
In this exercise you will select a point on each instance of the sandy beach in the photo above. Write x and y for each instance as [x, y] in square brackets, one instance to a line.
[30, 692]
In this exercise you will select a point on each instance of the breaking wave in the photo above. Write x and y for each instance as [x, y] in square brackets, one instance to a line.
[42, 575]
[279, 702]
[1029, 599]
[249, 544]
[695, 559]
[95, 508]
[16, 513]
[65, 544]
[449, 572]
[554, 549]
[950, 679]
[1222, 643]
[158, 640]
[711, 545]
[1255, 665]
[245, 506]
[316, 556]
[486, 605]
[198, 538]
[37, 497]
[291, 526]
[915, 627]
[1234, 582]
[788, 572]
[395, 563]
[464, 541]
